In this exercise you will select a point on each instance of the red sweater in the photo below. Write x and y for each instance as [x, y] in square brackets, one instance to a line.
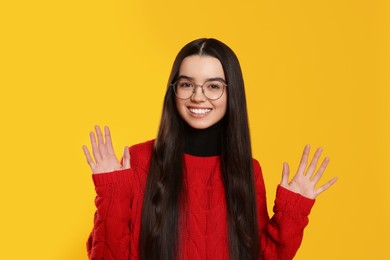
[203, 235]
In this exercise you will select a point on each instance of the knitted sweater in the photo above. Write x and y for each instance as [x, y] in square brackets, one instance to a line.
[204, 232]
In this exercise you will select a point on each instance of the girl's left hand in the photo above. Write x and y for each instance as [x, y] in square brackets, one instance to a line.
[305, 183]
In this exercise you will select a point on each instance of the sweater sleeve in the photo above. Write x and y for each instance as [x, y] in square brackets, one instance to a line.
[111, 233]
[281, 235]
[118, 201]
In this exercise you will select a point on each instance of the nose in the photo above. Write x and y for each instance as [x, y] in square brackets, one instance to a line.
[197, 95]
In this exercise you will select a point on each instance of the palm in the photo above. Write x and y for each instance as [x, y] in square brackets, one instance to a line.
[305, 180]
[105, 159]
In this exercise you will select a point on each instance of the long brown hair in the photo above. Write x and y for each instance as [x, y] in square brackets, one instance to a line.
[164, 188]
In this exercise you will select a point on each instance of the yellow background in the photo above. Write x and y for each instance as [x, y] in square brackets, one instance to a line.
[315, 71]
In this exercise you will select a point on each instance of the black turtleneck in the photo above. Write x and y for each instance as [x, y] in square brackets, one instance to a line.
[203, 142]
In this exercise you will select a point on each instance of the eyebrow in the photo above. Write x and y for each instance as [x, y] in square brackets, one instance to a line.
[209, 79]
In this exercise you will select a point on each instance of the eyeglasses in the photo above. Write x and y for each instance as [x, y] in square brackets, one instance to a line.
[212, 89]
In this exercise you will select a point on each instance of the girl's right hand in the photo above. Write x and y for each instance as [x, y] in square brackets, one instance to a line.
[103, 153]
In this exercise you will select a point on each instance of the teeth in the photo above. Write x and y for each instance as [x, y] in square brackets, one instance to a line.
[200, 111]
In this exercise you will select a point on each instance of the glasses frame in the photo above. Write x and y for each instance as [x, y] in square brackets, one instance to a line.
[201, 86]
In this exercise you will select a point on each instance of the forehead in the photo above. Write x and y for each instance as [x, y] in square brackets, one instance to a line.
[201, 67]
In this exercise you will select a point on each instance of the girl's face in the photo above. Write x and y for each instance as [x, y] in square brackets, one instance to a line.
[198, 111]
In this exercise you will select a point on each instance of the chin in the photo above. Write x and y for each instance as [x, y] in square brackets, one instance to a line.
[199, 126]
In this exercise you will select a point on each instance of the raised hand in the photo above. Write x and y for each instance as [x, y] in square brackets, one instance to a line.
[305, 183]
[103, 153]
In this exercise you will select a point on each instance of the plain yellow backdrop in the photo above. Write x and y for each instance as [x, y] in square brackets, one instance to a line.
[316, 72]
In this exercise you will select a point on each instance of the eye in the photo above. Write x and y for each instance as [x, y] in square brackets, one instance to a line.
[185, 84]
[213, 86]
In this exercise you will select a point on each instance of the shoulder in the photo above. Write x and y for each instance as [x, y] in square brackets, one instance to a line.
[146, 146]
[258, 179]
[256, 168]
[140, 154]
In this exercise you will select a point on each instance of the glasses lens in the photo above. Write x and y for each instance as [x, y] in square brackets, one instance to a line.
[213, 89]
[183, 89]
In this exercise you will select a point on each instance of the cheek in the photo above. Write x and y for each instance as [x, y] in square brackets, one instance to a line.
[180, 105]
[223, 103]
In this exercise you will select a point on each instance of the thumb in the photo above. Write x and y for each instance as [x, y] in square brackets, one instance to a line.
[126, 158]
[285, 175]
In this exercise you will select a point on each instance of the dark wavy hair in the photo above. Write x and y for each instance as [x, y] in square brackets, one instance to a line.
[164, 189]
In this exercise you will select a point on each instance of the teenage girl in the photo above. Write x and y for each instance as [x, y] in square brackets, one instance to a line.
[195, 192]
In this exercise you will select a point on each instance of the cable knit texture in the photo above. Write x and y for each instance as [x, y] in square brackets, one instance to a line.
[203, 225]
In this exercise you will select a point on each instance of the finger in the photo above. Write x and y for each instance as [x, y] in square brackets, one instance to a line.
[313, 163]
[321, 170]
[304, 160]
[89, 158]
[285, 174]
[95, 149]
[107, 137]
[126, 158]
[326, 186]
[101, 145]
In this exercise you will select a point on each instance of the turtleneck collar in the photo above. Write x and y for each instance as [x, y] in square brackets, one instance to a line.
[203, 142]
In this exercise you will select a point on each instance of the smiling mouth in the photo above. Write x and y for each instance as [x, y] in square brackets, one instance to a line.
[200, 111]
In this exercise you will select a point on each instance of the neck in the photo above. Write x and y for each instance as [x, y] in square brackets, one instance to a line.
[203, 142]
